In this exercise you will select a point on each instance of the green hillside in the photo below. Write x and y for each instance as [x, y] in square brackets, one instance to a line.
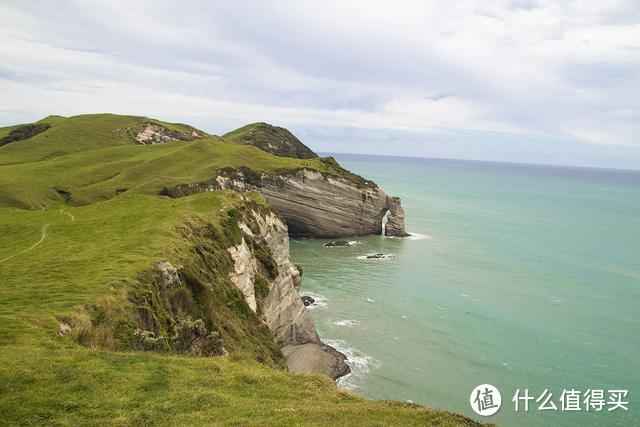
[272, 139]
[81, 226]
[94, 157]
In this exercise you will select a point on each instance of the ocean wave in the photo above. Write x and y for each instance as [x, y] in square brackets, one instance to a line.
[319, 300]
[359, 362]
[376, 256]
[417, 236]
[506, 365]
[411, 236]
[349, 323]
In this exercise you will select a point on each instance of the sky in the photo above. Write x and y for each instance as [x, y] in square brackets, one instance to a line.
[531, 81]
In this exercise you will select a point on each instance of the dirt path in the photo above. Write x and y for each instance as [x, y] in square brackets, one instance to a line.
[44, 235]
[73, 218]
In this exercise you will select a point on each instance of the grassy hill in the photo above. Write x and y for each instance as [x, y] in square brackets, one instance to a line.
[95, 157]
[72, 244]
[273, 139]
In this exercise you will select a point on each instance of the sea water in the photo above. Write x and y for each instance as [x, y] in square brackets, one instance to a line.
[519, 276]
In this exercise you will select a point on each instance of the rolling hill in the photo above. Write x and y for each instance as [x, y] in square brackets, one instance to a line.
[120, 305]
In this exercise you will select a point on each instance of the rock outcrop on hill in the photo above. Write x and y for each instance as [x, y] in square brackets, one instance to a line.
[153, 133]
[272, 139]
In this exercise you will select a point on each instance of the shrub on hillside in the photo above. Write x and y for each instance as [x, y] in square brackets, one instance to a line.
[24, 132]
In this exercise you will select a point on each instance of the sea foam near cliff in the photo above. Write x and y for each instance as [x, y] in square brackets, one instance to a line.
[360, 364]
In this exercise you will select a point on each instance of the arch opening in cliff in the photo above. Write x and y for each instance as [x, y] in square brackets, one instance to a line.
[395, 220]
[383, 222]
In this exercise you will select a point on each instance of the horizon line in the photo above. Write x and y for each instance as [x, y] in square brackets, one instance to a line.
[505, 162]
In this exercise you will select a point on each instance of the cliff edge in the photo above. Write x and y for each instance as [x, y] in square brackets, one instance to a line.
[195, 297]
[305, 195]
[281, 308]
[313, 204]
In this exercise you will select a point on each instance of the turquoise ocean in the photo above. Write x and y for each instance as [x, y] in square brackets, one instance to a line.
[519, 276]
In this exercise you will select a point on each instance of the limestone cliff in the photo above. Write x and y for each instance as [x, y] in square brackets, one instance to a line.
[233, 289]
[313, 204]
[281, 308]
[395, 220]
[152, 133]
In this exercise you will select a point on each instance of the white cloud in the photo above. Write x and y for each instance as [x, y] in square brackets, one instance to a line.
[542, 68]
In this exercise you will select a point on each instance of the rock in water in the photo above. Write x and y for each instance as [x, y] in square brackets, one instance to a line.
[376, 256]
[307, 300]
[337, 244]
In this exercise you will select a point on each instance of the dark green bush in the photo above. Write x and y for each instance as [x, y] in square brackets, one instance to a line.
[24, 132]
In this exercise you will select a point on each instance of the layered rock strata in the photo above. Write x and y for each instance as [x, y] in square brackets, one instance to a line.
[282, 308]
[313, 204]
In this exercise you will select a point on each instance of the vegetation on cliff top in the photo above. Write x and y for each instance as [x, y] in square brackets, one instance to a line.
[90, 158]
[272, 139]
[83, 246]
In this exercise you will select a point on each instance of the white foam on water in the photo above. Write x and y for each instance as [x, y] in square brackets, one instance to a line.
[359, 362]
[418, 236]
[370, 300]
[320, 301]
[506, 365]
[349, 323]
[355, 242]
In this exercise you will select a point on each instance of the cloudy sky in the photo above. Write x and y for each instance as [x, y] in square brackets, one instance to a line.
[515, 80]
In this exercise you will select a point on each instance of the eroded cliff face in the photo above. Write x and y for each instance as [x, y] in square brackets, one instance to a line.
[153, 133]
[232, 290]
[281, 308]
[313, 204]
[323, 206]
[395, 220]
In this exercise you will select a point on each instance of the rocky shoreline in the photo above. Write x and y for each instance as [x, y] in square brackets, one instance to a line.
[283, 310]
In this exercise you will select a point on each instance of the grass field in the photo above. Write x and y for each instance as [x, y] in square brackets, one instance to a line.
[59, 256]
[93, 158]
